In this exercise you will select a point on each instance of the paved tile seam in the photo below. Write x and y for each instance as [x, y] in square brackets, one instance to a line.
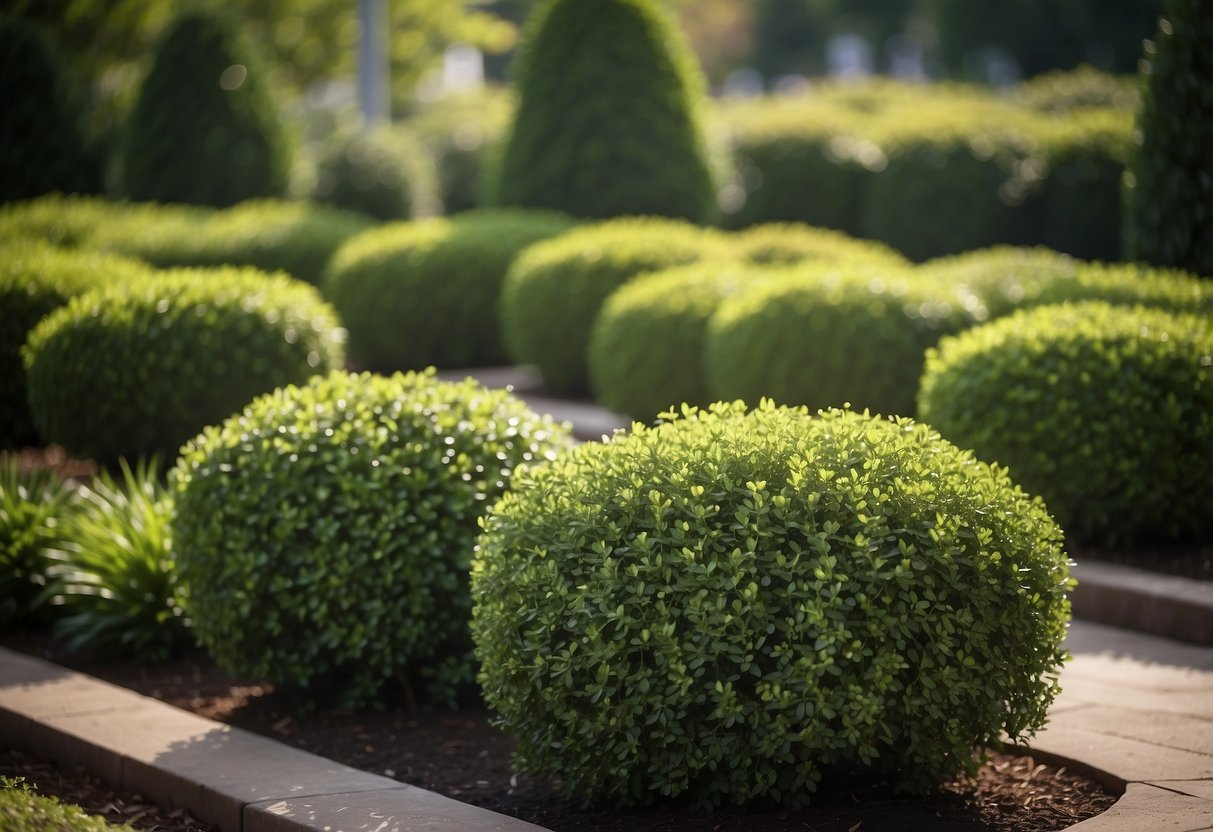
[1157, 744]
[1163, 784]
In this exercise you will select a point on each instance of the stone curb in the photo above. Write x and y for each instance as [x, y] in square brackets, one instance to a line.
[1163, 605]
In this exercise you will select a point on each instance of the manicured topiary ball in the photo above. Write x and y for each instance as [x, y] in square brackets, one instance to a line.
[731, 606]
[323, 534]
[136, 369]
[1105, 411]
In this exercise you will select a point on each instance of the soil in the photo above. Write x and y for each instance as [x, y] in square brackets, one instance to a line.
[460, 754]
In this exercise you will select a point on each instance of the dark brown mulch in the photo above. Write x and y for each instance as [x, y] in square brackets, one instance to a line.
[461, 755]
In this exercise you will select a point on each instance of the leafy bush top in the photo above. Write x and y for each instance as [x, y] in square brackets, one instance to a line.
[730, 606]
[22, 810]
[995, 281]
[791, 242]
[385, 173]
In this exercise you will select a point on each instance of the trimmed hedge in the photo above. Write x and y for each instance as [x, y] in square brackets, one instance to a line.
[1106, 412]
[35, 279]
[386, 173]
[829, 335]
[792, 242]
[732, 607]
[554, 290]
[996, 281]
[426, 293]
[135, 370]
[323, 534]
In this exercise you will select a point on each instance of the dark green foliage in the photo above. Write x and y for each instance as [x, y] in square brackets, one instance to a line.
[729, 607]
[1169, 187]
[136, 370]
[22, 810]
[1065, 92]
[204, 129]
[31, 505]
[554, 290]
[607, 121]
[110, 574]
[324, 534]
[792, 242]
[36, 278]
[43, 144]
[385, 173]
[829, 335]
[1106, 412]
[425, 293]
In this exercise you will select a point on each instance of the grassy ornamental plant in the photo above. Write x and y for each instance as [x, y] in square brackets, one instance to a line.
[426, 293]
[555, 289]
[31, 504]
[827, 335]
[135, 370]
[732, 606]
[323, 535]
[22, 810]
[1106, 412]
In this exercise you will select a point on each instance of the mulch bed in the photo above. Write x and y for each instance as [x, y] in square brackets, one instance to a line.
[461, 755]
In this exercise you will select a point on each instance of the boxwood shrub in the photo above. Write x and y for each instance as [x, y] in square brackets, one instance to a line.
[386, 173]
[828, 335]
[422, 293]
[134, 370]
[323, 534]
[36, 278]
[794, 242]
[554, 290]
[998, 280]
[733, 606]
[1106, 412]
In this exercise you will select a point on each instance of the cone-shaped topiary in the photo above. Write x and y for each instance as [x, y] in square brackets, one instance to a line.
[607, 120]
[204, 129]
[1169, 185]
[43, 146]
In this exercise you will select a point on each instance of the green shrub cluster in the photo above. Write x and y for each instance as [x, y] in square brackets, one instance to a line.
[36, 278]
[826, 335]
[1104, 411]
[608, 119]
[1081, 88]
[31, 505]
[426, 293]
[22, 810]
[793, 242]
[386, 173]
[135, 370]
[555, 289]
[324, 533]
[733, 606]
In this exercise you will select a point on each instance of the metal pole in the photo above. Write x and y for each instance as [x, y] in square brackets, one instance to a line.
[373, 69]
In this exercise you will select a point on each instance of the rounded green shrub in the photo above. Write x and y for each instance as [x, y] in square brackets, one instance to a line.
[1130, 284]
[646, 348]
[43, 141]
[1169, 184]
[36, 278]
[136, 370]
[793, 242]
[386, 173]
[324, 533]
[829, 335]
[730, 607]
[1106, 412]
[607, 121]
[996, 281]
[56, 218]
[426, 293]
[1063, 92]
[204, 129]
[554, 290]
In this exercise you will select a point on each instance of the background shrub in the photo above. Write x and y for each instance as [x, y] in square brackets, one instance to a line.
[792, 242]
[31, 504]
[995, 281]
[554, 290]
[204, 129]
[43, 141]
[731, 606]
[1106, 412]
[55, 218]
[36, 278]
[1078, 89]
[426, 293]
[828, 335]
[607, 120]
[385, 173]
[135, 370]
[324, 533]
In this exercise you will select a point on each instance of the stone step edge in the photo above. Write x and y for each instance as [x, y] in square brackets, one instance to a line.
[1133, 599]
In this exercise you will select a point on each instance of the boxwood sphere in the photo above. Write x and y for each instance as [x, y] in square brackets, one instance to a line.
[1105, 411]
[422, 293]
[729, 606]
[794, 242]
[132, 370]
[324, 533]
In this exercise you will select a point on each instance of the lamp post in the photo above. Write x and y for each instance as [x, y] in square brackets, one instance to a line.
[372, 61]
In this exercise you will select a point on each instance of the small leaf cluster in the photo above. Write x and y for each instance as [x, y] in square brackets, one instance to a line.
[385, 173]
[731, 606]
[323, 534]
[555, 289]
[426, 293]
[22, 810]
[1106, 412]
[134, 370]
[31, 504]
[36, 278]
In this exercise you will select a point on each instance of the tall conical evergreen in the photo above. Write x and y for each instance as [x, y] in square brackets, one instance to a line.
[1169, 185]
[607, 121]
[204, 129]
[43, 144]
